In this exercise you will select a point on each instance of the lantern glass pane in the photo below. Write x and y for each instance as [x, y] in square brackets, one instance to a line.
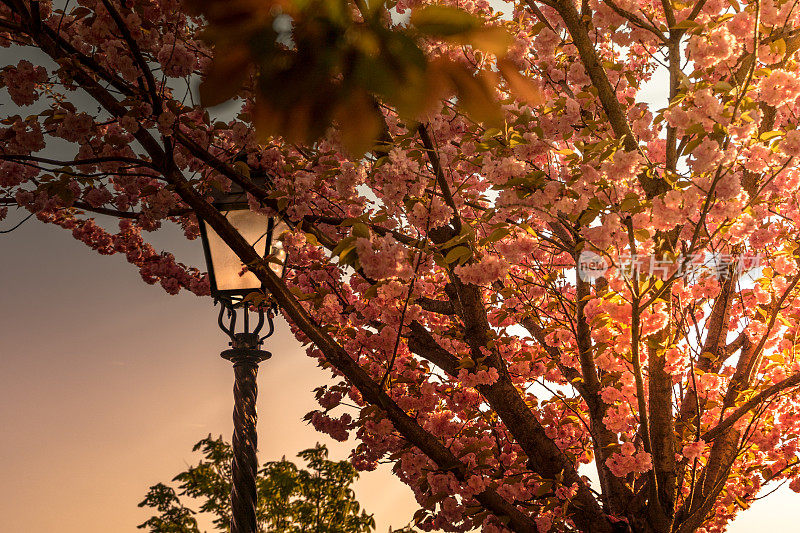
[228, 268]
[277, 252]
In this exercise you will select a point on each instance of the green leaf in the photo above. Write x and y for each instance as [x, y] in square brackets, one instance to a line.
[587, 217]
[345, 244]
[543, 488]
[686, 25]
[348, 256]
[493, 39]
[466, 362]
[361, 230]
[767, 135]
[458, 253]
[498, 234]
[443, 21]
[243, 169]
[723, 87]
[630, 203]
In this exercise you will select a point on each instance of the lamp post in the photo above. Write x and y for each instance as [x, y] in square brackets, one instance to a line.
[230, 285]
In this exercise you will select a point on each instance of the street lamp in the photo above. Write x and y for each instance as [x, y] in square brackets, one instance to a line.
[231, 283]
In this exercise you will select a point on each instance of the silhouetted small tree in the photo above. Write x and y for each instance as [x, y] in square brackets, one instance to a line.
[317, 498]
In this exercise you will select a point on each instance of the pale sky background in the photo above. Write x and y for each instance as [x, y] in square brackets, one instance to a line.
[106, 383]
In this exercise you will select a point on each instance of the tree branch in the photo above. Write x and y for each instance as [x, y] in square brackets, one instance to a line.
[636, 21]
[438, 171]
[748, 406]
[137, 55]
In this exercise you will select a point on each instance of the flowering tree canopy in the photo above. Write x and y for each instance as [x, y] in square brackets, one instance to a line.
[532, 274]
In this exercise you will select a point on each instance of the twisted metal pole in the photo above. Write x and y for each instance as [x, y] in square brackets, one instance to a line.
[245, 356]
